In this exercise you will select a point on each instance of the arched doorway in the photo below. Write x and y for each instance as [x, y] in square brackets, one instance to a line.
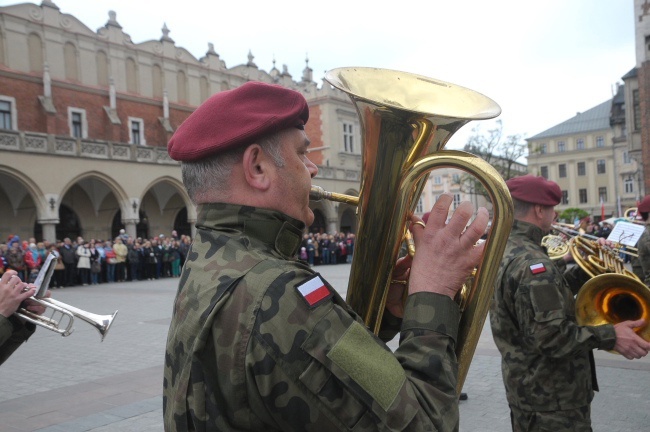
[348, 221]
[141, 229]
[181, 225]
[319, 225]
[68, 226]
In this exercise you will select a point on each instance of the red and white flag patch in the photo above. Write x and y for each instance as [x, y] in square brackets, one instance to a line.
[537, 268]
[314, 291]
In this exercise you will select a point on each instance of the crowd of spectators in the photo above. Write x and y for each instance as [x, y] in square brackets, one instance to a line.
[334, 248]
[93, 262]
[124, 258]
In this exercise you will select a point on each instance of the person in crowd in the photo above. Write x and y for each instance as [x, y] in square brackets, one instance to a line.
[111, 261]
[184, 247]
[258, 340]
[16, 259]
[33, 262]
[121, 251]
[133, 257]
[83, 261]
[58, 277]
[175, 258]
[547, 360]
[69, 257]
[95, 263]
[150, 261]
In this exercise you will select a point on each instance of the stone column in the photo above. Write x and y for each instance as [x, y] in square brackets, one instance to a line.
[49, 230]
[130, 227]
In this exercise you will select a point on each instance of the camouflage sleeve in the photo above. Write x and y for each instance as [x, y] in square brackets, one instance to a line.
[643, 260]
[12, 334]
[544, 309]
[319, 368]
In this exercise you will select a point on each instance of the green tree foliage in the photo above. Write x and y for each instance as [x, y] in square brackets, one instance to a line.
[572, 213]
[502, 154]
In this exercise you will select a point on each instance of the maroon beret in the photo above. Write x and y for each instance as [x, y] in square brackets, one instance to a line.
[644, 205]
[535, 190]
[238, 117]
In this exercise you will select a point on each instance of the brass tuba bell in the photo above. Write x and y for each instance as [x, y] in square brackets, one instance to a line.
[406, 120]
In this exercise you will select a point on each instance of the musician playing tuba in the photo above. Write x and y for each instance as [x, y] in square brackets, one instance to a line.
[258, 339]
[547, 360]
[641, 264]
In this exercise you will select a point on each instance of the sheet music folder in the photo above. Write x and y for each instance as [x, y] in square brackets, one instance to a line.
[44, 276]
[626, 233]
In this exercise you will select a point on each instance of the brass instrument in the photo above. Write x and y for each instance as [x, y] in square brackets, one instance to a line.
[63, 325]
[65, 314]
[613, 294]
[563, 242]
[406, 121]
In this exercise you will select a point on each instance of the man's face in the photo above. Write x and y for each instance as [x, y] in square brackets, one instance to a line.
[549, 216]
[292, 182]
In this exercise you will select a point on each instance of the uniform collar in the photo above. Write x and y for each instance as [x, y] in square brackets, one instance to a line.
[275, 229]
[529, 230]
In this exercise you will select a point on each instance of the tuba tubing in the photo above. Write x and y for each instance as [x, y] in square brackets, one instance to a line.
[406, 120]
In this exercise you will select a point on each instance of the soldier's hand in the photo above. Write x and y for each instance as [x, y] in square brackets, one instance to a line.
[628, 343]
[446, 254]
[13, 292]
[395, 296]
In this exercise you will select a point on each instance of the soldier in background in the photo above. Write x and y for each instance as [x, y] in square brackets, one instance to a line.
[641, 264]
[258, 340]
[547, 360]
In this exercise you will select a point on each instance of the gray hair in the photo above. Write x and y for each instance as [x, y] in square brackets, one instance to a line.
[521, 208]
[211, 175]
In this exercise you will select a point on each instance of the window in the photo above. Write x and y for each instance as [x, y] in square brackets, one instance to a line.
[543, 171]
[5, 115]
[542, 148]
[602, 194]
[77, 123]
[583, 195]
[600, 166]
[348, 137]
[437, 180]
[456, 200]
[636, 110]
[600, 141]
[136, 131]
[420, 207]
[626, 157]
[562, 170]
[455, 178]
[581, 168]
[565, 197]
[580, 144]
[561, 146]
[8, 113]
[629, 184]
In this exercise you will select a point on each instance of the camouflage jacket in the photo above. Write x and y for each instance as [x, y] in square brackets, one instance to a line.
[641, 264]
[547, 363]
[249, 349]
[13, 332]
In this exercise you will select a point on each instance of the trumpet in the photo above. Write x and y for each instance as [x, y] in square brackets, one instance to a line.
[62, 316]
[63, 323]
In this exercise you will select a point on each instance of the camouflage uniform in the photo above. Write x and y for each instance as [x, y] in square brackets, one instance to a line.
[13, 332]
[547, 363]
[246, 351]
[641, 265]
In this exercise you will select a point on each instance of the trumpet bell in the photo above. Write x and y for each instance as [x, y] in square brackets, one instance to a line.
[614, 298]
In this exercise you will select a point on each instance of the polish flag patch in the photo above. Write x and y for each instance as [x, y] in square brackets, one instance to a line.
[537, 268]
[314, 291]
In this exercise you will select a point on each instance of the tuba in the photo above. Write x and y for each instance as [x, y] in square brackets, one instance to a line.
[406, 120]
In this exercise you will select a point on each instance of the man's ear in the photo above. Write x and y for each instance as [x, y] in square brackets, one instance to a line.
[256, 167]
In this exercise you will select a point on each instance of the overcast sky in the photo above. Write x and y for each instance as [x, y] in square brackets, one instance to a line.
[542, 61]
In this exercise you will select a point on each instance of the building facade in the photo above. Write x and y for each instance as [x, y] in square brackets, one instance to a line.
[589, 157]
[85, 118]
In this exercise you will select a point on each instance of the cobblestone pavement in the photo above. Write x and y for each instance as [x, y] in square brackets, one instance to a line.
[79, 384]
